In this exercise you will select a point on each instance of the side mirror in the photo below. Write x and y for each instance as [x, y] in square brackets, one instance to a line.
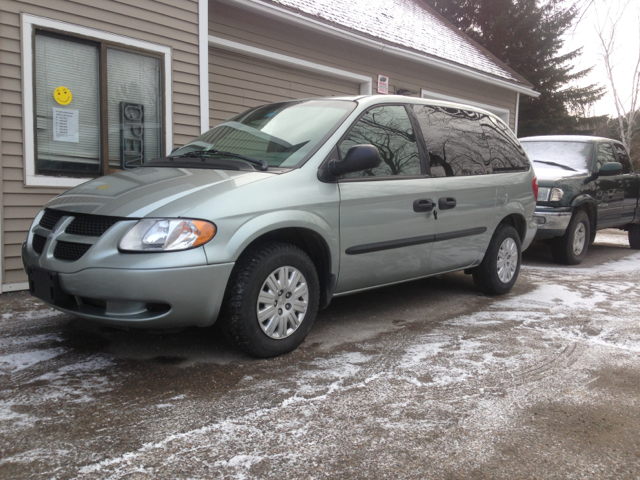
[610, 169]
[358, 157]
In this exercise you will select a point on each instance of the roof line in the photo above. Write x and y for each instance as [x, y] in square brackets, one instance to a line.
[309, 23]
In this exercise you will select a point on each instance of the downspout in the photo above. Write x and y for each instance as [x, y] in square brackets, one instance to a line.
[203, 53]
[515, 129]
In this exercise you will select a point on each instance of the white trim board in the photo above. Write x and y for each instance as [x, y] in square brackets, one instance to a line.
[366, 83]
[503, 113]
[14, 287]
[308, 23]
[515, 128]
[28, 23]
[203, 68]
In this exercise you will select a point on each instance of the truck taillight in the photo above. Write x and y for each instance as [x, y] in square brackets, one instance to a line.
[534, 184]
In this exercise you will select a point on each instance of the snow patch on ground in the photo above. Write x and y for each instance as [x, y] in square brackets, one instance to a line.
[15, 362]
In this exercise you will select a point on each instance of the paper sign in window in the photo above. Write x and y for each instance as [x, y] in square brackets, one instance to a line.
[65, 125]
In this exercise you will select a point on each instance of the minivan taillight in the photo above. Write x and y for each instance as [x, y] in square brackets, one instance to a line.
[534, 184]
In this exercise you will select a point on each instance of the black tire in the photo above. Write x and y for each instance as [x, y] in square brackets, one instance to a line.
[486, 276]
[239, 321]
[634, 236]
[563, 249]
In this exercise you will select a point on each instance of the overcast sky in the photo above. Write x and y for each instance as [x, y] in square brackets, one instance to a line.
[626, 54]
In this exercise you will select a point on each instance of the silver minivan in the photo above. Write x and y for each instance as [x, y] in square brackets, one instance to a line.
[260, 221]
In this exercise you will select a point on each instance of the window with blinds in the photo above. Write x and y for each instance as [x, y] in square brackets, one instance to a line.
[74, 66]
[98, 107]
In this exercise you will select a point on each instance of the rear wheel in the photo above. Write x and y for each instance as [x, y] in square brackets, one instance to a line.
[271, 300]
[500, 266]
[571, 248]
[634, 236]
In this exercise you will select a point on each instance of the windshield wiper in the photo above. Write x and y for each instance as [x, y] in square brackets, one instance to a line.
[209, 153]
[557, 165]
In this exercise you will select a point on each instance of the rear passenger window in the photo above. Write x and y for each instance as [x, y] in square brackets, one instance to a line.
[462, 142]
[623, 158]
[455, 139]
[605, 155]
[389, 129]
[505, 152]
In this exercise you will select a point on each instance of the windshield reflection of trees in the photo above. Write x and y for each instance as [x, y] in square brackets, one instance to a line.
[238, 138]
[389, 130]
[462, 142]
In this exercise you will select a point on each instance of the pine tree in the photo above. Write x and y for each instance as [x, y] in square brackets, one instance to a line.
[527, 36]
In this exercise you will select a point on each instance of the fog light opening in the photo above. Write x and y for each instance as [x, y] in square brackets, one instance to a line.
[158, 307]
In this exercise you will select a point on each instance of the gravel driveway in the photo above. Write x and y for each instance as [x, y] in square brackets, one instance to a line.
[428, 379]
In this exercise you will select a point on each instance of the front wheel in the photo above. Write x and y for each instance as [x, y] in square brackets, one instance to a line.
[571, 248]
[271, 300]
[500, 266]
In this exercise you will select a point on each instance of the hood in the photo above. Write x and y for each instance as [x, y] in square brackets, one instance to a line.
[552, 174]
[154, 192]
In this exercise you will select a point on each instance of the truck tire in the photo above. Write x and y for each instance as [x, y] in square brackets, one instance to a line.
[271, 300]
[570, 248]
[634, 236]
[500, 266]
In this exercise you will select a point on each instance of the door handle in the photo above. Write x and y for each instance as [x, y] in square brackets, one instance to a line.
[423, 205]
[447, 203]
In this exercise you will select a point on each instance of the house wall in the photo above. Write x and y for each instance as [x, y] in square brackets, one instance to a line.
[173, 23]
[249, 28]
[239, 82]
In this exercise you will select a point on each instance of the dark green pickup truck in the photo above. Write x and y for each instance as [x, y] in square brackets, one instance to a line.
[585, 184]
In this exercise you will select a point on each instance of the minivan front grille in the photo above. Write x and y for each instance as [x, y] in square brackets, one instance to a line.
[91, 225]
[38, 243]
[70, 250]
[83, 224]
[50, 218]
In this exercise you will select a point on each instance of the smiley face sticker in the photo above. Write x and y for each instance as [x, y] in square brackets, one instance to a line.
[62, 95]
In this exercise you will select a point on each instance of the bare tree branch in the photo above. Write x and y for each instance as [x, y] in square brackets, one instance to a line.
[626, 108]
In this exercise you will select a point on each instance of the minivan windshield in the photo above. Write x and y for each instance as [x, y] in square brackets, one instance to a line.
[281, 134]
[574, 156]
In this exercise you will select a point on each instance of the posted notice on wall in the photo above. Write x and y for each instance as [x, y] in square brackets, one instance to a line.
[65, 125]
[383, 84]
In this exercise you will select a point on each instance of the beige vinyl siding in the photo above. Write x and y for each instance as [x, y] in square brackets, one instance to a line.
[238, 82]
[171, 23]
[248, 28]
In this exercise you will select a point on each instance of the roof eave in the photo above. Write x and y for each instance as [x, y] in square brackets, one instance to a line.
[309, 23]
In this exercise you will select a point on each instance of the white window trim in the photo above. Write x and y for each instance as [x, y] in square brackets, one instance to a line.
[366, 83]
[28, 24]
[503, 113]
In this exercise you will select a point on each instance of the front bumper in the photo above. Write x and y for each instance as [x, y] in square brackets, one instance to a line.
[163, 298]
[156, 298]
[151, 290]
[552, 223]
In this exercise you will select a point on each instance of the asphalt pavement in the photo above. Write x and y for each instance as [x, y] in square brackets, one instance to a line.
[427, 379]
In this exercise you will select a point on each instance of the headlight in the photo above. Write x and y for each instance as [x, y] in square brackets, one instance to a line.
[556, 195]
[166, 235]
[543, 194]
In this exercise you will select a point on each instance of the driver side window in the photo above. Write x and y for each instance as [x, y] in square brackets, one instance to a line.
[605, 155]
[623, 158]
[389, 129]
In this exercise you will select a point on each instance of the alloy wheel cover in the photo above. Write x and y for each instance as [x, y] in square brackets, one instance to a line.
[507, 262]
[283, 302]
